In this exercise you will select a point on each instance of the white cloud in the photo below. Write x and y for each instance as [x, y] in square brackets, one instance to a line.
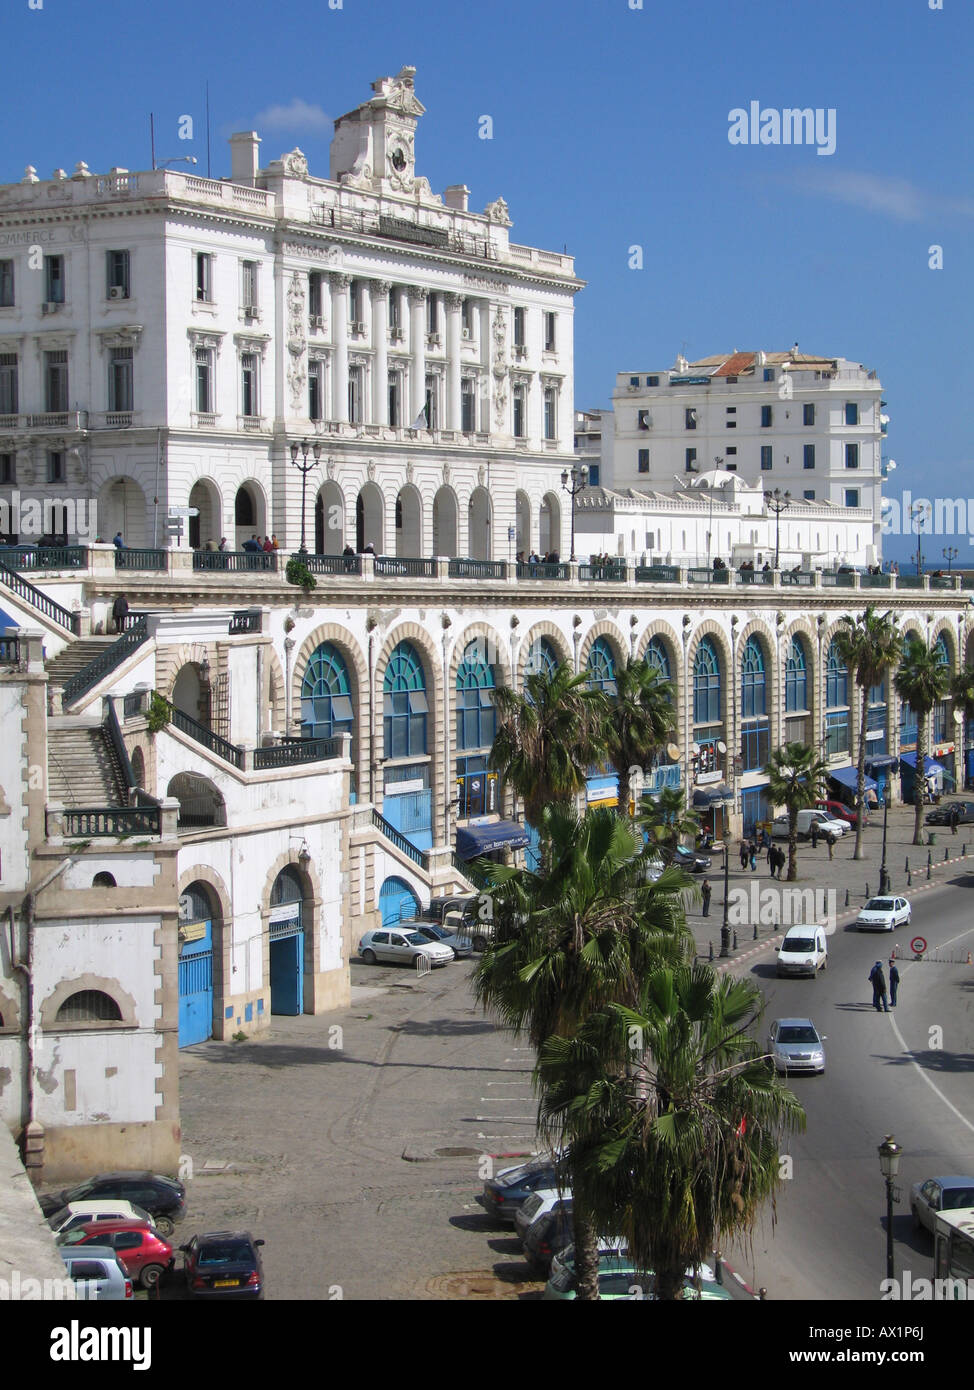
[296, 115]
[888, 197]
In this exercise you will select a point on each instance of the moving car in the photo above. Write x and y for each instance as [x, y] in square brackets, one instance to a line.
[884, 914]
[402, 944]
[804, 951]
[461, 946]
[224, 1264]
[795, 1045]
[76, 1214]
[144, 1256]
[504, 1193]
[97, 1265]
[938, 1194]
[828, 828]
[941, 816]
[163, 1198]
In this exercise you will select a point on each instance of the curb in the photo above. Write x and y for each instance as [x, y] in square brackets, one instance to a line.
[723, 1265]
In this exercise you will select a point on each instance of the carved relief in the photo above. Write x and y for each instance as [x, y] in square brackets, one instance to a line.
[496, 212]
[295, 164]
[370, 470]
[297, 374]
[500, 368]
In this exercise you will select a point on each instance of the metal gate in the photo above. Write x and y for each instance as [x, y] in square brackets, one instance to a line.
[397, 901]
[195, 982]
[287, 959]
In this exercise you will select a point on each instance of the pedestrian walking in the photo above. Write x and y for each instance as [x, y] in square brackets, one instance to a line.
[954, 818]
[706, 892]
[894, 983]
[744, 854]
[117, 541]
[814, 834]
[830, 841]
[120, 609]
[779, 861]
[878, 981]
[753, 856]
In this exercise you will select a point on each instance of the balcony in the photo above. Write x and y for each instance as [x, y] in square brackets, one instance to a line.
[115, 419]
[203, 419]
[64, 421]
[613, 571]
[252, 423]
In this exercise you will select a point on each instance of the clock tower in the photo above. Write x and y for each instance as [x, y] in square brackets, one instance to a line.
[374, 145]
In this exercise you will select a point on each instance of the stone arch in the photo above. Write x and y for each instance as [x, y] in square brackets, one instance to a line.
[554, 635]
[409, 522]
[276, 691]
[758, 628]
[357, 668]
[221, 905]
[206, 497]
[495, 654]
[201, 803]
[329, 508]
[713, 630]
[370, 507]
[480, 525]
[64, 990]
[138, 767]
[432, 663]
[944, 626]
[311, 886]
[674, 650]
[611, 631]
[803, 628]
[549, 524]
[249, 512]
[446, 516]
[122, 507]
[190, 691]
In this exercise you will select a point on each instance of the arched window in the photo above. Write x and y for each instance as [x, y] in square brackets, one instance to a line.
[836, 702]
[288, 888]
[796, 677]
[940, 729]
[542, 658]
[476, 716]
[706, 683]
[753, 685]
[656, 656]
[89, 1006]
[326, 700]
[104, 880]
[602, 666]
[405, 705]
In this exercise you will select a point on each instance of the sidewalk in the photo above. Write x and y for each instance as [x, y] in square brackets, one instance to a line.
[851, 880]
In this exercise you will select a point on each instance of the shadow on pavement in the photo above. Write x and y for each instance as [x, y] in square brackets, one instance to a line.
[476, 1221]
[937, 1061]
[443, 1027]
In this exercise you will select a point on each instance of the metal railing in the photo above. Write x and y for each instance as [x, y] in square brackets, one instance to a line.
[875, 581]
[805, 578]
[330, 564]
[247, 621]
[106, 661]
[234, 560]
[45, 557]
[941, 581]
[143, 559]
[909, 581]
[761, 576]
[542, 569]
[657, 574]
[832, 580]
[418, 856]
[193, 729]
[118, 744]
[477, 569]
[293, 752]
[36, 598]
[711, 576]
[393, 565]
[614, 571]
[102, 821]
[133, 704]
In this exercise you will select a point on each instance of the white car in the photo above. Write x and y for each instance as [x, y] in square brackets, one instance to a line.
[827, 826]
[395, 944]
[884, 914]
[94, 1210]
[537, 1205]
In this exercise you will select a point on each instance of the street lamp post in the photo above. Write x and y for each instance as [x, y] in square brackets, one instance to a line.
[572, 482]
[918, 513]
[724, 926]
[305, 468]
[889, 1162]
[777, 502]
[950, 555]
[883, 875]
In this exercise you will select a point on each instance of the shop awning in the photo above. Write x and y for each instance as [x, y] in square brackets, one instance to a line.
[929, 765]
[483, 839]
[849, 777]
[880, 762]
[709, 796]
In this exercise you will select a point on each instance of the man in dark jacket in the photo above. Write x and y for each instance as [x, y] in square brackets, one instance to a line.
[894, 983]
[878, 981]
[120, 609]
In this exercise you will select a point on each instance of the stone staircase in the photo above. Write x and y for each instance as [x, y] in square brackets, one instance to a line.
[83, 769]
[75, 657]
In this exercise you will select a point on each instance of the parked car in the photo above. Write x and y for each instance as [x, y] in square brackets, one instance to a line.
[539, 1204]
[804, 951]
[101, 1209]
[163, 1198]
[938, 1194]
[941, 815]
[468, 904]
[99, 1265]
[795, 1045]
[504, 1193]
[828, 828]
[619, 1278]
[884, 914]
[461, 946]
[691, 861]
[548, 1235]
[224, 1264]
[838, 810]
[142, 1253]
[402, 945]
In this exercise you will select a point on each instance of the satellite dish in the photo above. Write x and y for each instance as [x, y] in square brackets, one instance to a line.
[672, 752]
[721, 747]
[695, 747]
[958, 716]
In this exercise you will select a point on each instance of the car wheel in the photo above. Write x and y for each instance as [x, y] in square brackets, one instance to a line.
[908, 920]
[150, 1276]
[164, 1225]
[368, 957]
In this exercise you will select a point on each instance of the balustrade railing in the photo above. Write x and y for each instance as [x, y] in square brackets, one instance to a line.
[37, 599]
[141, 559]
[235, 560]
[542, 569]
[293, 752]
[418, 856]
[102, 821]
[657, 574]
[330, 564]
[45, 557]
[136, 633]
[392, 566]
[477, 569]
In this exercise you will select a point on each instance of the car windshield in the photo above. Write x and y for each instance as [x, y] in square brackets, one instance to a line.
[879, 905]
[82, 1191]
[436, 933]
[958, 1197]
[225, 1252]
[798, 1033]
[416, 938]
[798, 943]
[74, 1236]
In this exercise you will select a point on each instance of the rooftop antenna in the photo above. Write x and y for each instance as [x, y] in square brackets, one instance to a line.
[208, 172]
[152, 138]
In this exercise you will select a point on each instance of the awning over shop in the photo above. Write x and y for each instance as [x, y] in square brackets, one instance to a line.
[849, 777]
[483, 839]
[880, 762]
[929, 765]
[709, 796]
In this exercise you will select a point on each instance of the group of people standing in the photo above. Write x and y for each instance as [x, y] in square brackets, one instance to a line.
[878, 981]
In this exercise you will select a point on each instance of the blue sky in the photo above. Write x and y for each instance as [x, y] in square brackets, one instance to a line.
[609, 130]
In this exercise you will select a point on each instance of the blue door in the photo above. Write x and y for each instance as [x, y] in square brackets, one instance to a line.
[754, 808]
[397, 901]
[287, 973]
[196, 983]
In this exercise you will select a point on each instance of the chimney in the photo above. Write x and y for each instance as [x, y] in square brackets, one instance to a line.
[244, 157]
[457, 196]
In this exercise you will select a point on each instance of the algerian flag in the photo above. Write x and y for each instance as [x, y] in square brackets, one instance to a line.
[422, 419]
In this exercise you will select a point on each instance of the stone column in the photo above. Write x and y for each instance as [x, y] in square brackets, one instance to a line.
[339, 319]
[417, 349]
[380, 341]
[453, 306]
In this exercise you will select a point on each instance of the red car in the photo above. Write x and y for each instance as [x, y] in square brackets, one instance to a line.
[141, 1251]
[840, 811]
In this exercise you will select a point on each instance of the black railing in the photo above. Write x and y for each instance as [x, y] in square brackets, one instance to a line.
[909, 581]
[418, 856]
[477, 569]
[802, 577]
[292, 752]
[193, 729]
[9, 651]
[108, 821]
[105, 661]
[118, 744]
[247, 621]
[838, 580]
[128, 559]
[761, 576]
[711, 576]
[330, 564]
[542, 569]
[36, 598]
[941, 581]
[391, 565]
[657, 574]
[45, 557]
[133, 704]
[265, 560]
[875, 581]
[612, 570]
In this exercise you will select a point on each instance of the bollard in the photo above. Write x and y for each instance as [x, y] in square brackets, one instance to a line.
[929, 859]
[711, 951]
[755, 936]
[946, 855]
[907, 869]
[847, 897]
[928, 868]
[867, 892]
[909, 880]
[735, 941]
[762, 1294]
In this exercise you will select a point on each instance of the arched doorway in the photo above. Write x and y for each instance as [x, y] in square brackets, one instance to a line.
[327, 707]
[522, 510]
[121, 507]
[207, 526]
[478, 533]
[445, 523]
[397, 902]
[249, 514]
[409, 523]
[286, 929]
[369, 507]
[329, 519]
[549, 521]
[195, 965]
[191, 692]
[201, 804]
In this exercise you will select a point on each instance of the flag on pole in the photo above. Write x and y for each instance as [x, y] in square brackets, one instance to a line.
[422, 419]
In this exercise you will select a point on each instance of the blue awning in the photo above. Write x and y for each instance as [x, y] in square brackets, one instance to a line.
[929, 765]
[881, 761]
[709, 796]
[483, 839]
[849, 777]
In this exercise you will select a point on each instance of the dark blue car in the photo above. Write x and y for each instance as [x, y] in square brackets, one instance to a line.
[503, 1194]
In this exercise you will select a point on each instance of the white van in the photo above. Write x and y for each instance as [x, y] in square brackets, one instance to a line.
[828, 826]
[804, 951]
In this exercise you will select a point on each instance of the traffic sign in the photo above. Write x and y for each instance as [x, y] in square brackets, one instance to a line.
[184, 511]
[918, 945]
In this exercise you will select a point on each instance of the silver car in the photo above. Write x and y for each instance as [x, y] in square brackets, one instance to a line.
[795, 1045]
[403, 945]
[97, 1271]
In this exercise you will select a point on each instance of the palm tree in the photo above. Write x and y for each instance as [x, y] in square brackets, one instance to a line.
[795, 775]
[641, 720]
[548, 738]
[922, 681]
[676, 1118]
[870, 645]
[667, 821]
[574, 939]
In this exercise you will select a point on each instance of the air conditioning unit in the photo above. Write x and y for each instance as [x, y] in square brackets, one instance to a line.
[432, 340]
[251, 311]
[316, 320]
[357, 328]
[520, 350]
[466, 334]
[117, 292]
[396, 334]
[50, 306]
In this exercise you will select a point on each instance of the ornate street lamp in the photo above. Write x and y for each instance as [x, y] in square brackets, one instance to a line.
[725, 925]
[305, 468]
[950, 555]
[918, 513]
[883, 875]
[573, 481]
[889, 1162]
[777, 502]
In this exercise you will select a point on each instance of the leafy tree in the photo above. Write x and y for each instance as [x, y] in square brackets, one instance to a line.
[667, 821]
[641, 720]
[795, 776]
[922, 681]
[675, 1118]
[870, 646]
